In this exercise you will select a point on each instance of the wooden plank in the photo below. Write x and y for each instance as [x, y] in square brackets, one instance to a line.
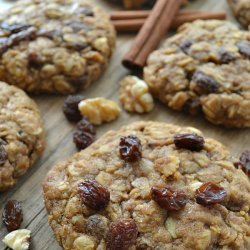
[59, 136]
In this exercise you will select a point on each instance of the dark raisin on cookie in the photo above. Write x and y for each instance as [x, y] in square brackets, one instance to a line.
[3, 45]
[122, 234]
[185, 46]
[3, 155]
[93, 194]
[96, 225]
[210, 194]
[244, 48]
[87, 11]
[27, 34]
[14, 28]
[168, 198]
[34, 60]
[12, 215]
[84, 134]
[130, 148]
[244, 163]
[70, 108]
[206, 84]
[191, 142]
[226, 57]
[192, 107]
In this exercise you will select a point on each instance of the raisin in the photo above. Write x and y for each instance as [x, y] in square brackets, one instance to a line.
[244, 48]
[12, 215]
[122, 234]
[85, 126]
[86, 11]
[185, 46]
[96, 225]
[191, 142]
[14, 28]
[192, 106]
[226, 57]
[3, 45]
[34, 60]
[16, 38]
[130, 148]
[70, 108]
[77, 46]
[51, 34]
[93, 194]
[168, 198]
[78, 26]
[210, 194]
[3, 155]
[80, 81]
[244, 163]
[84, 134]
[206, 84]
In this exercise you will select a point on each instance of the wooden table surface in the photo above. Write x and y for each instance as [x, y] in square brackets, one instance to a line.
[59, 135]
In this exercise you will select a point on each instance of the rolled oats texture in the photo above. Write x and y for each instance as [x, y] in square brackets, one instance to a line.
[53, 46]
[135, 95]
[193, 227]
[204, 68]
[99, 110]
[21, 132]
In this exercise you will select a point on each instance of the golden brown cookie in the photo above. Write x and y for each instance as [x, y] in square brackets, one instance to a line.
[152, 186]
[21, 134]
[54, 46]
[204, 68]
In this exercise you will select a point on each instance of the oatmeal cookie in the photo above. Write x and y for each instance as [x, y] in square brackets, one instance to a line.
[204, 68]
[150, 186]
[21, 134]
[54, 46]
[241, 10]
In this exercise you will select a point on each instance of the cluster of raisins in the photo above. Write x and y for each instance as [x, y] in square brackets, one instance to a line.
[174, 200]
[84, 135]
[122, 234]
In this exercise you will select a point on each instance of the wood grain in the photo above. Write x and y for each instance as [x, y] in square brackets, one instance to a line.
[59, 136]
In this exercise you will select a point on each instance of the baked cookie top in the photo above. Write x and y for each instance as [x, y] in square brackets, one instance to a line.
[54, 46]
[241, 10]
[21, 134]
[204, 67]
[149, 186]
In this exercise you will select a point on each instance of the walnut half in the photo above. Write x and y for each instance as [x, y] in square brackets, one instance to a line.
[18, 240]
[99, 110]
[135, 96]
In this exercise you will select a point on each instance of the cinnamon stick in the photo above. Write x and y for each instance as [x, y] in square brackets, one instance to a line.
[133, 25]
[151, 33]
[143, 14]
